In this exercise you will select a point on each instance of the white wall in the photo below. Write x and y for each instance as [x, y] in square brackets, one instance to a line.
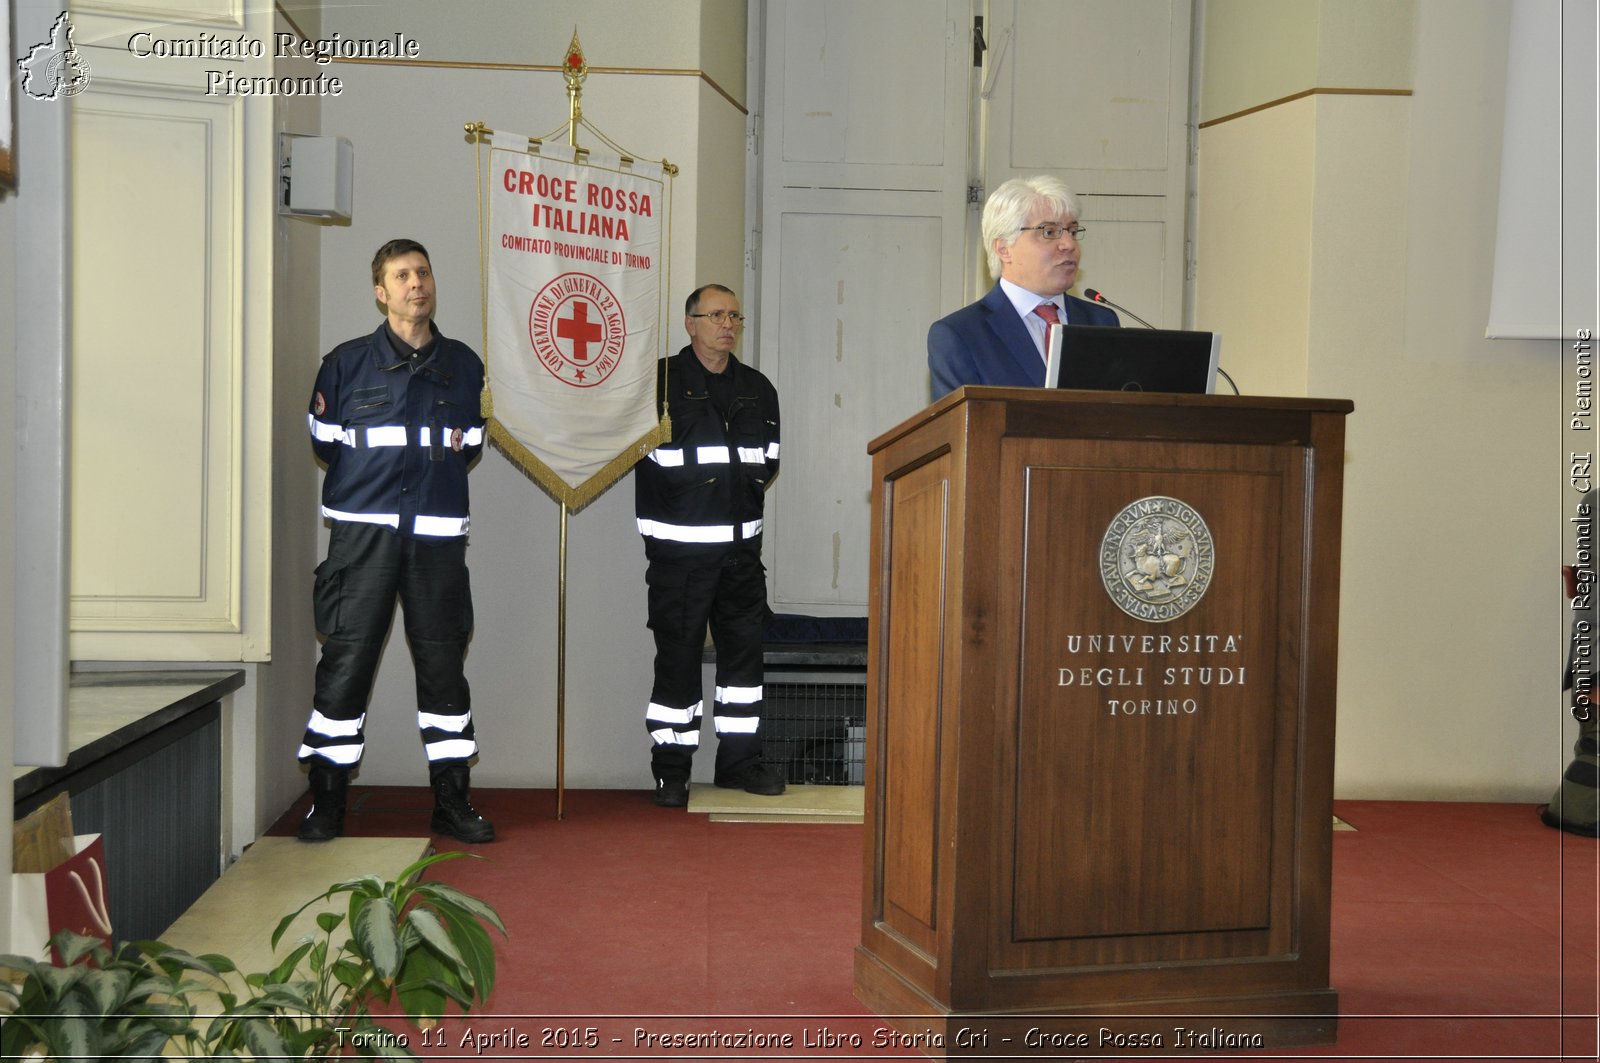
[415, 177]
[1345, 245]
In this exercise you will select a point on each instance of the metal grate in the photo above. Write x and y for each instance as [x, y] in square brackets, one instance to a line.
[816, 732]
[161, 816]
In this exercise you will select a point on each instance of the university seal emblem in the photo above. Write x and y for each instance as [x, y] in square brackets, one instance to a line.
[1157, 558]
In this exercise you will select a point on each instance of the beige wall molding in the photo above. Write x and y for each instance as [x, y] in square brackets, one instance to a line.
[551, 68]
[1300, 96]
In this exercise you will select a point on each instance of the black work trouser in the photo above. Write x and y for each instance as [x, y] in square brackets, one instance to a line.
[728, 595]
[368, 568]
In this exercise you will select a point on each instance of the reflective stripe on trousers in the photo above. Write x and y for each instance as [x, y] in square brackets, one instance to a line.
[368, 568]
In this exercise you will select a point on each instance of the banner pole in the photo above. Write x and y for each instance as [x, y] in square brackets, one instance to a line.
[561, 673]
[575, 69]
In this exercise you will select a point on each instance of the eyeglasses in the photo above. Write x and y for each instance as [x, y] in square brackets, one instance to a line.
[1051, 233]
[724, 317]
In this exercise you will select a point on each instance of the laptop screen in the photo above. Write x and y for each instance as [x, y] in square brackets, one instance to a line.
[1106, 358]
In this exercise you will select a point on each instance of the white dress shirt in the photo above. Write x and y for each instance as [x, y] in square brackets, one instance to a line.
[1025, 301]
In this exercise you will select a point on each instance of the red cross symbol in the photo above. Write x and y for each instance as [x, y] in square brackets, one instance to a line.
[579, 329]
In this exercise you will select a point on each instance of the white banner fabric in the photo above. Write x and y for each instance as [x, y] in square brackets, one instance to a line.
[576, 288]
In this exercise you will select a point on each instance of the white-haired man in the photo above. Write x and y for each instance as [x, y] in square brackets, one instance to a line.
[1030, 232]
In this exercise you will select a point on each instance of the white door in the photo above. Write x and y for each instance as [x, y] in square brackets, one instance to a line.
[1096, 92]
[863, 171]
[877, 124]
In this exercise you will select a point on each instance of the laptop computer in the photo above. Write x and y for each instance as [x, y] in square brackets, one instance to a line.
[1107, 358]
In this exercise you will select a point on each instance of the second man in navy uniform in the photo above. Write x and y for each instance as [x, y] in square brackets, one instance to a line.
[700, 500]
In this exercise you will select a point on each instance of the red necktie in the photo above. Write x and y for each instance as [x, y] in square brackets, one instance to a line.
[1052, 316]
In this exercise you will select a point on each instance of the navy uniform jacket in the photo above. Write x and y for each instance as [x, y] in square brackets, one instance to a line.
[398, 443]
[703, 493]
[987, 343]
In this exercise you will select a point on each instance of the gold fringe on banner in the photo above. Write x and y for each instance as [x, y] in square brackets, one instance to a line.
[575, 498]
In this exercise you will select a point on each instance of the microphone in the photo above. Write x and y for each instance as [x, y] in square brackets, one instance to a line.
[1095, 297]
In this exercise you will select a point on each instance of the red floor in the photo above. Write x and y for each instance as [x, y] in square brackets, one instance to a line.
[1460, 931]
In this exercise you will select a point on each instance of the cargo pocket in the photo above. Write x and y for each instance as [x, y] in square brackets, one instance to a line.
[325, 593]
[669, 598]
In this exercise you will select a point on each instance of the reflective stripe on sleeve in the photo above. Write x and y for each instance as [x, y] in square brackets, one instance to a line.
[667, 458]
[752, 455]
[324, 432]
[386, 435]
[470, 437]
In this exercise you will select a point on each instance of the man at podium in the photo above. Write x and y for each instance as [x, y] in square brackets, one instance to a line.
[1030, 233]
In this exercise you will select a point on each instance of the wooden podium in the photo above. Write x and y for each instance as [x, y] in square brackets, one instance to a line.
[1104, 637]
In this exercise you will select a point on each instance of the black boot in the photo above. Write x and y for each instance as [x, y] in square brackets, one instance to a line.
[453, 814]
[671, 764]
[325, 821]
[741, 767]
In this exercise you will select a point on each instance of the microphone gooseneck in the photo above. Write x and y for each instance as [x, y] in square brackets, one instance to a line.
[1095, 297]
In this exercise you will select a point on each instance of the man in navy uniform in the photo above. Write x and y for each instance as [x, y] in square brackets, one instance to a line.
[700, 499]
[396, 417]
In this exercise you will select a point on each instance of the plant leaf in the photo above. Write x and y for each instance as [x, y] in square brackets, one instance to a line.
[287, 966]
[428, 927]
[261, 1037]
[71, 1035]
[349, 973]
[442, 896]
[106, 989]
[74, 947]
[58, 981]
[377, 936]
[147, 1045]
[477, 951]
[409, 873]
[422, 991]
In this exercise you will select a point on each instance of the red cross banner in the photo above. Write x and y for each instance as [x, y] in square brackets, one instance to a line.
[575, 305]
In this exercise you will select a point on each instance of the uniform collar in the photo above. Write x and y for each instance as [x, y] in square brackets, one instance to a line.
[391, 352]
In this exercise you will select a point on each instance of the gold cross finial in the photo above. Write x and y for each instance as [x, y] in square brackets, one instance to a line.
[576, 68]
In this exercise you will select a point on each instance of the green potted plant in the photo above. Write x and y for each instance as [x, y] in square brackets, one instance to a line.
[417, 944]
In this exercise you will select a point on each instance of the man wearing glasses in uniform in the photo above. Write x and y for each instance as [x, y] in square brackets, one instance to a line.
[1030, 233]
[699, 499]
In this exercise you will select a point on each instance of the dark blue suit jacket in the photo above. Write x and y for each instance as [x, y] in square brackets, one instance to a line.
[987, 343]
